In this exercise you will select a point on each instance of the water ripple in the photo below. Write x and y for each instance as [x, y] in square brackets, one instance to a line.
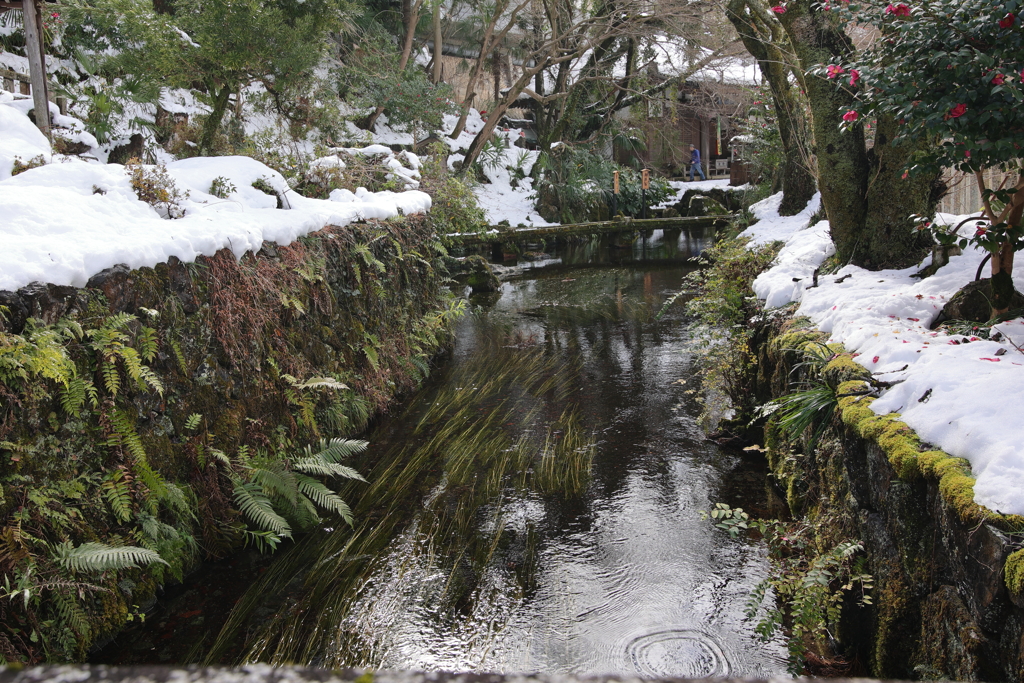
[682, 653]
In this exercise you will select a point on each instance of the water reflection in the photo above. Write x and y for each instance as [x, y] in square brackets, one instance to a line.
[536, 508]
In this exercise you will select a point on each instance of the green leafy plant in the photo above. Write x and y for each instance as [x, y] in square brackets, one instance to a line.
[275, 497]
[222, 187]
[805, 592]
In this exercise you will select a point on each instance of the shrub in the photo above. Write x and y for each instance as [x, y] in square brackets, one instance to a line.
[154, 186]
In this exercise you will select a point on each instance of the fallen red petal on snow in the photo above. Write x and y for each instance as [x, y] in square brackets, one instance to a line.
[875, 359]
[916, 320]
[994, 360]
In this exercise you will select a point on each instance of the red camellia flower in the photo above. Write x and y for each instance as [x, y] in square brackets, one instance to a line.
[1007, 21]
[980, 231]
[854, 76]
[850, 116]
[958, 111]
[778, 9]
[998, 79]
[900, 10]
[834, 70]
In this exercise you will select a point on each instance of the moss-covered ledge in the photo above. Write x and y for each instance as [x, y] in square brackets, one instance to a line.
[949, 573]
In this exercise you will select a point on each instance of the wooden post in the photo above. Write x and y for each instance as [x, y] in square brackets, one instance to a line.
[645, 184]
[615, 194]
[36, 64]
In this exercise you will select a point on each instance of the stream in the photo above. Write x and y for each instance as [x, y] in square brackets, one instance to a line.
[534, 507]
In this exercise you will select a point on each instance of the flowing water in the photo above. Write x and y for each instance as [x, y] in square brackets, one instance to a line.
[536, 506]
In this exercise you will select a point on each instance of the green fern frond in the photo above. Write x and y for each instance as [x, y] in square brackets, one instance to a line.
[317, 382]
[336, 450]
[115, 488]
[150, 378]
[111, 375]
[180, 500]
[125, 435]
[277, 481]
[72, 396]
[72, 614]
[220, 456]
[148, 343]
[323, 468]
[192, 423]
[257, 508]
[179, 357]
[99, 557]
[324, 497]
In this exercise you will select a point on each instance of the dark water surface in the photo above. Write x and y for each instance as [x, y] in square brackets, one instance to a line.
[536, 506]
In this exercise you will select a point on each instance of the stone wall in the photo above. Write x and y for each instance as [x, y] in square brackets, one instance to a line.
[132, 410]
[942, 564]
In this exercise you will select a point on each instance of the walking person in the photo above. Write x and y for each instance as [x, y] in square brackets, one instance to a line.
[695, 163]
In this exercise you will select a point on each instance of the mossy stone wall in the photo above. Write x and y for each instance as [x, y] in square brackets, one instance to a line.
[949, 596]
[245, 363]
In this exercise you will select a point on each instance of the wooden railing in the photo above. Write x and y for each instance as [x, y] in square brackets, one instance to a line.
[15, 82]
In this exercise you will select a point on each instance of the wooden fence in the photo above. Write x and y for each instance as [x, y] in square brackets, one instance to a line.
[963, 196]
[15, 82]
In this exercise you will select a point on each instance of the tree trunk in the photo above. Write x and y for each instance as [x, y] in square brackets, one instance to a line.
[1002, 262]
[412, 18]
[493, 117]
[438, 48]
[842, 161]
[892, 241]
[212, 125]
[474, 74]
[797, 180]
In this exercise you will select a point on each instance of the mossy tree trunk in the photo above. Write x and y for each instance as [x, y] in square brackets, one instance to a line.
[891, 240]
[866, 199]
[842, 161]
[769, 49]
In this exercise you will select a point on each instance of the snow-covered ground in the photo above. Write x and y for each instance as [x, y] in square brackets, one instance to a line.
[955, 395]
[71, 218]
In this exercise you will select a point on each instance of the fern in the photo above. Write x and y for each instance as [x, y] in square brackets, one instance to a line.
[111, 376]
[257, 508]
[147, 343]
[75, 393]
[320, 466]
[336, 450]
[220, 456]
[72, 615]
[179, 357]
[278, 482]
[115, 487]
[315, 383]
[124, 435]
[324, 497]
[192, 423]
[99, 557]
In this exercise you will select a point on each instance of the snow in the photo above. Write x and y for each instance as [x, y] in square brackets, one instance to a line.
[681, 187]
[954, 395]
[19, 138]
[68, 220]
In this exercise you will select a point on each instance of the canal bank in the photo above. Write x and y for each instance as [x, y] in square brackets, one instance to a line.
[155, 417]
[946, 601]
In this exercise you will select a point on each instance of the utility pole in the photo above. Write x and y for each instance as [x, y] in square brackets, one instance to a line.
[36, 63]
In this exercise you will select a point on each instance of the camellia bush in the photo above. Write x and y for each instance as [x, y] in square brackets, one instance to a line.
[951, 73]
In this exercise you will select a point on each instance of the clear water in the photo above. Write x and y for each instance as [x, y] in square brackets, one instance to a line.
[468, 555]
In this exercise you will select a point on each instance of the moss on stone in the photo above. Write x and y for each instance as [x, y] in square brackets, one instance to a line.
[1013, 574]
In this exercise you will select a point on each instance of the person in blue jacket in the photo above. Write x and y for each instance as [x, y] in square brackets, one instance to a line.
[695, 163]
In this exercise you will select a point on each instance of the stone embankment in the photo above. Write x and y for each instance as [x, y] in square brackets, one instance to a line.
[949, 574]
